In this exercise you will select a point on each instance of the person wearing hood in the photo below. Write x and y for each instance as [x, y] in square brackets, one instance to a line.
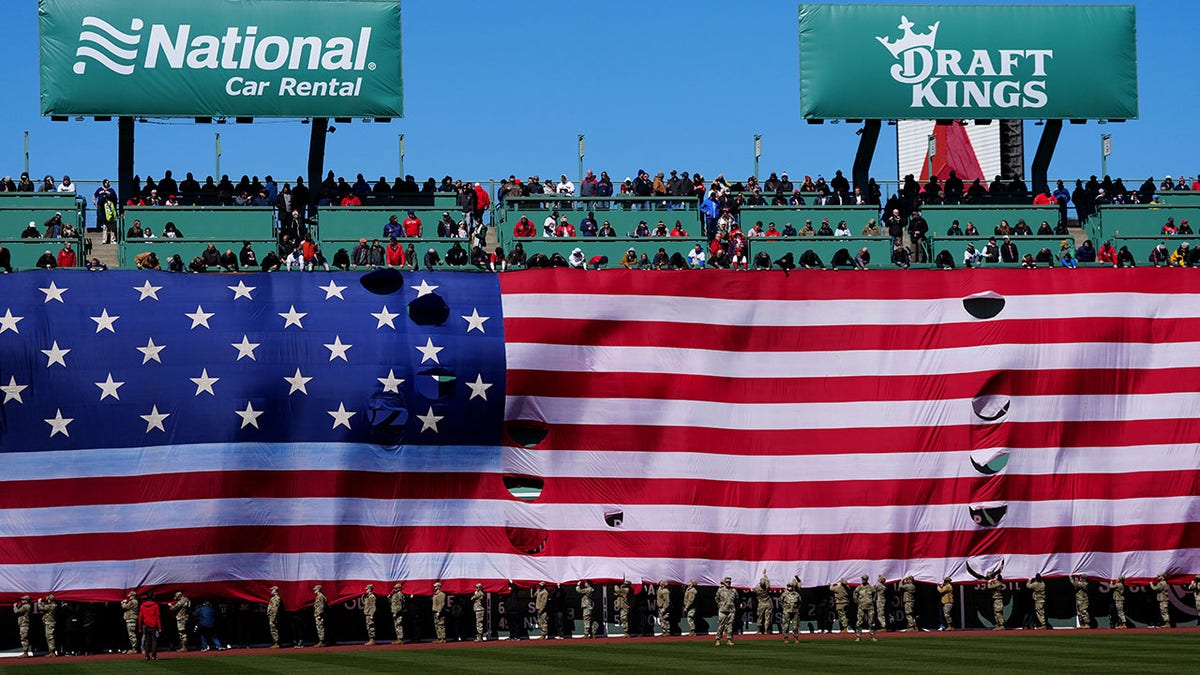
[1159, 256]
[971, 257]
[577, 260]
[1086, 253]
[1009, 252]
[47, 261]
[629, 260]
[457, 255]
[1179, 257]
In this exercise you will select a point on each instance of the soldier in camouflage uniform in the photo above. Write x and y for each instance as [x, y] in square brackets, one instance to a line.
[541, 603]
[274, 605]
[881, 603]
[368, 607]
[439, 613]
[908, 596]
[585, 590]
[995, 584]
[689, 607]
[129, 608]
[621, 604]
[398, 604]
[182, 607]
[762, 597]
[319, 605]
[1038, 591]
[1162, 591]
[23, 609]
[1194, 587]
[663, 599]
[946, 591]
[726, 606]
[1080, 583]
[1118, 599]
[789, 601]
[49, 609]
[864, 598]
[841, 601]
[477, 602]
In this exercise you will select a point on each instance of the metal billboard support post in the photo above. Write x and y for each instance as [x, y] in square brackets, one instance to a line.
[124, 158]
[26, 151]
[931, 152]
[401, 174]
[581, 153]
[1105, 151]
[1039, 169]
[757, 153]
[217, 172]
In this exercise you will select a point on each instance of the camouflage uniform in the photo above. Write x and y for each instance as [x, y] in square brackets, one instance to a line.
[789, 601]
[1118, 599]
[1081, 601]
[946, 590]
[996, 586]
[439, 613]
[49, 609]
[273, 606]
[23, 609]
[398, 603]
[182, 607]
[663, 599]
[908, 595]
[368, 606]
[585, 591]
[881, 603]
[762, 596]
[841, 601]
[1194, 587]
[864, 598]
[477, 600]
[689, 606]
[129, 607]
[541, 600]
[726, 606]
[621, 604]
[1163, 592]
[319, 605]
[1038, 588]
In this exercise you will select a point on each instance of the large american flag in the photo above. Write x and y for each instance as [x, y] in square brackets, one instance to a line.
[226, 433]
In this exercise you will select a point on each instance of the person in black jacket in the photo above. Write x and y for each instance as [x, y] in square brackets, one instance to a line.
[247, 257]
[341, 260]
[270, 262]
[211, 256]
[229, 261]
[5, 260]
[432, 259]
[1008, 251]
[456, 256]
[809, 260]
[917, 229]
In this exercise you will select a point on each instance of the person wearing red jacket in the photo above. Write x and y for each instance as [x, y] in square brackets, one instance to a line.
[66, 256]
[565, 229]
[395, 254]
[678, 230]
[351, 200]
[150, 624]
[1107, 254]
[412, 225]
[524, 228]
[482, 201]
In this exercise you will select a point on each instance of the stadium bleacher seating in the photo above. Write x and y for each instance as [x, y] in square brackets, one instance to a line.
[987, 217]
[614, 248]
[1139, 220]
[855, 216]
[624, 212]
[880, 248]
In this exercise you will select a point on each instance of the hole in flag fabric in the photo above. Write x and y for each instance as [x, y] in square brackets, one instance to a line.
[614, 518]
[525, 488]
[985, 305]
[989, 461]
[988, 515]
[527, 433]
[992, 407]
[436, 384]
[429, 310]
[526, 539]
[382, 281]
[388, 414]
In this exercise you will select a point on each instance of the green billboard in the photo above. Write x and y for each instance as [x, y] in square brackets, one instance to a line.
[221, 58]
[968, 61]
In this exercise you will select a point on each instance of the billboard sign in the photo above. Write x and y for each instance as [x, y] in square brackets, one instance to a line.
[968, 61]
[221, 58]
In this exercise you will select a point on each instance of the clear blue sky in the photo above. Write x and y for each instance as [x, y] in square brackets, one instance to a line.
[493, 88]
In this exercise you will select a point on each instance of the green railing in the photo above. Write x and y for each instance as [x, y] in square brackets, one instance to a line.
[24, 253]
[880, 248]
[612, 247]
[202, 223]
[622, 212]
[1139, 220]
[987, 218]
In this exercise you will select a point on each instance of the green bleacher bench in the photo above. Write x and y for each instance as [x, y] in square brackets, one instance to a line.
[612, 247]
[623, 213]
[24, 253]
[987, 218]
[1179, 197]
[344, 223]
[205, 222]
[880, 248]
[1140, 220]
[1140, 247]
[1028, 244]
[856, 217]
[14, 219]
[51, 201]
[421, 246]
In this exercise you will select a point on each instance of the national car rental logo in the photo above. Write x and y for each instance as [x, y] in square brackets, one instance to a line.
[101, 42]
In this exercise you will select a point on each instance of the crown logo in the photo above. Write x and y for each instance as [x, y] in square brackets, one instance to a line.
[910, 40]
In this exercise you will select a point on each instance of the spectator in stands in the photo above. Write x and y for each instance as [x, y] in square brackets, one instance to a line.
[271, 262]
[148, 260]
[94, 265]
[1159, 256]
[900, 255]
[105, 201]
[565, 228]
[479, 258]
[361, 255]
[523, 228]
[410, 257]
[1009, 252]
[991, 251]
[789, 230]
[294, 258]
[809, 260]
[31, 231]
[351, 199]
[48, 184]
[1181, 255]
[378, 257]
[53, 226]
[456, 256]
[496, 261]
[642, 230]
[466, 201]
[188, 185]
[825, 230]
[170, 231]
[550, 224]
[7, 184]
[843, 230]
[5, 260]
[629, 260]
[1106, 255]
[1146, 192]
[47, 261]
[229, 261]
[433, 260]
[66, 186]
[516, 257]
[661, 260]
[341, 260]
[1169, 229]
[1125, 258]
[871, 229]
[395, 253]
[576, 260]
[695, 257]
[1045, 257]
[660, 230]
[565, 187]
[711, 212]
[1044, 199]
[1028, 262]
[66, 256]
[1184, 228]
[943, 260]
[1065, 257]
[971, 230]
[955, 230]
[971, 257]
[606, 230]
[246, 256]
[772, 232]
[588, 226]
[211, 256]
[25, 184]
[807, 230]
[1003, 229]
[1086, 253]
[1022, 229]
[392, 228]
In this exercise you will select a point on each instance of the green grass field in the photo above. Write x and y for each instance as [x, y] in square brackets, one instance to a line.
[1141, 652]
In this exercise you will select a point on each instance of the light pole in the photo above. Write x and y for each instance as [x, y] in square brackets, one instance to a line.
[1105, 151]
[217, 172]
[26, 151]
[401, 156]
[932, 152]
[757, 153]
[581, 153]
